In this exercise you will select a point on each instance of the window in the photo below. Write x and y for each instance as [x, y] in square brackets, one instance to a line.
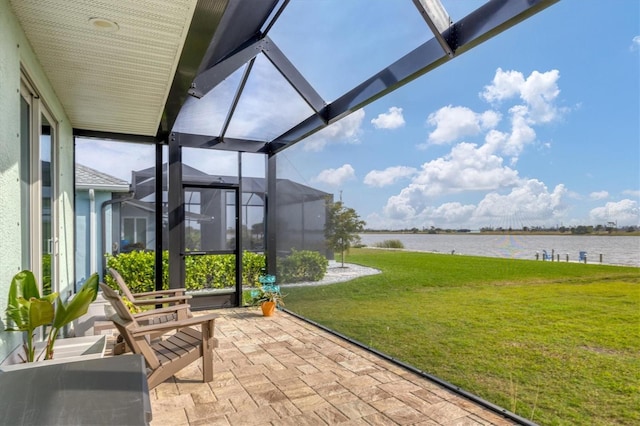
[38, 187]
[134, 233]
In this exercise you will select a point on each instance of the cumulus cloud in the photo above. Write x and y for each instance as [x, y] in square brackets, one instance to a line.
[530, 199]
[624, 212]
[452, 213]
[521, 134]
[466, 168]
[347, 130]
[528, 203]
[599, 195]
[453, 123]
[486, 168]
[388, 176]
[539, 92]
[390, 120]
[505, 85]
[635, 44]
[336, 177]
[632, 192]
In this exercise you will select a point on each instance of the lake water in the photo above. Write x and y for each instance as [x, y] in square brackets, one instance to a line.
[614, 249]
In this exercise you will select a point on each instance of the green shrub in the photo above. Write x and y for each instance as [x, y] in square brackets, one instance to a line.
[396, 244]
[46, 274]
[201, 272]
[304, 265]
[137, 270]
[253, 265]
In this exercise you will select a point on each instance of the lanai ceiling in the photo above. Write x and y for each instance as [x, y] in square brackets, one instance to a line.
[219, 71]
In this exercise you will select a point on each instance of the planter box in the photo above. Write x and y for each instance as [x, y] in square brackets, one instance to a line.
[212, 299]
[65, 350]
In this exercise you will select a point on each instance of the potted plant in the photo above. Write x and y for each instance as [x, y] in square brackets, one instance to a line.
[27, 310]
[268, 300]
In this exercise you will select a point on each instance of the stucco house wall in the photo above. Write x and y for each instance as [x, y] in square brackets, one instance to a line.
[94, 189]
[15, 52]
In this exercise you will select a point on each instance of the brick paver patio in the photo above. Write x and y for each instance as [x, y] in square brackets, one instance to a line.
[282, 371]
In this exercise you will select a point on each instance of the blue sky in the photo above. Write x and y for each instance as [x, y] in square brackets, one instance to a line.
[539, 126]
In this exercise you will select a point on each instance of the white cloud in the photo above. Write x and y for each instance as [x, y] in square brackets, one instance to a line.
[466, 168]
[117, 159]
[538, 91]
[388, 176]
[521, 133]
[452, 213]
[530, 201]
[632, 192]
[346, 130]
[635, 44]
[624, 212]
[453, 123]
[599, 195]
[390, 120]
[505, 85]
[336, 177]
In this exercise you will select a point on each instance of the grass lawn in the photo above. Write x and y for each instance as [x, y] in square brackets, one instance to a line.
[557, 343]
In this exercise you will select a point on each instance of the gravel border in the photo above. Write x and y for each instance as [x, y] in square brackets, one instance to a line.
[337, 274]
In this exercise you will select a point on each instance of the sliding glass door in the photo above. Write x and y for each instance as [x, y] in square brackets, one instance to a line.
[38, 188]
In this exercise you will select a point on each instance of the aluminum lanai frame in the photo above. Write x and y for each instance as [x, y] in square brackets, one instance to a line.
[239, 39]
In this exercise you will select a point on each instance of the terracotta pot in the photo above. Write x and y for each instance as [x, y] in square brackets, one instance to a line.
[268, 308]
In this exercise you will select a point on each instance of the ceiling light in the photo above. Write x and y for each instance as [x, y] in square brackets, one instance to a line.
[103, 25]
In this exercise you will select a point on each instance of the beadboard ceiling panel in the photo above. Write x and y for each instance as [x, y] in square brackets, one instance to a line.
[111, 62]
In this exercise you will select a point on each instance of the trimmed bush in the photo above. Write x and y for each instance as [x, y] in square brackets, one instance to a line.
[304, 265]
[201, 272]
[396, 244]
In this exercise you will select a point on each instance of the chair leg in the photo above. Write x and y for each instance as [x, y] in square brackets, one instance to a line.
[207, 353]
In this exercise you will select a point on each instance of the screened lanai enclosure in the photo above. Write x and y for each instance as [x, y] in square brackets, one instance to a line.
[237, 98]
[219, 210]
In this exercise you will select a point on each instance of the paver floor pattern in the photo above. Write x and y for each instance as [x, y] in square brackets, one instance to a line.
[281, 370]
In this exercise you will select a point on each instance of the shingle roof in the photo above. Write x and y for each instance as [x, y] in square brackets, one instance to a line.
[86, 177]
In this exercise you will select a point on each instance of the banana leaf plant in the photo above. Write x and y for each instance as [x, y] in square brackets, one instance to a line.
[27, 310]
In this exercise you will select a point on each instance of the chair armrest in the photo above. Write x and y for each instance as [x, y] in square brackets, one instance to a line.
[159, 301]
[172, 325]
[162, 311]
[171, 291]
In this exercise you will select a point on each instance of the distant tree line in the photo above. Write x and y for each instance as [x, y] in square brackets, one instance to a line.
[575, 230]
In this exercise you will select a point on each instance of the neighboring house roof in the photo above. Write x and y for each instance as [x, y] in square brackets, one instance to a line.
[88, 178]
[289, 192]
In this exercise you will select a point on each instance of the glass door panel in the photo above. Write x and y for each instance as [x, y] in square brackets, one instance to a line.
[210, 220]
[210, 233]
[25, 178]
[47, 191]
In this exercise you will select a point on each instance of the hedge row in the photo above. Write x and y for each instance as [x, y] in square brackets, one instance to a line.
[215, 271]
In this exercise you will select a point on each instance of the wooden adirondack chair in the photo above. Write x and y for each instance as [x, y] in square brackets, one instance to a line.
[166, 356]
[174, 296]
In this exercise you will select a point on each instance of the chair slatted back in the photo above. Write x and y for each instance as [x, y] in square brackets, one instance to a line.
[124, 322]
[123, 286]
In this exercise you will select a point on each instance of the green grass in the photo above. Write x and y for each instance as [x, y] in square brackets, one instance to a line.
[557, 343]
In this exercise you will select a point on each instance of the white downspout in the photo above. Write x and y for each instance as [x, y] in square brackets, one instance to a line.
[92, 231]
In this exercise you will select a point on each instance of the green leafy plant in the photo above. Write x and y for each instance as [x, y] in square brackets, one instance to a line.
[303, 265]
[268, 296]
[27, 310]
[342, 227]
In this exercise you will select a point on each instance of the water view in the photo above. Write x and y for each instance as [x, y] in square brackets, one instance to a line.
[615, 250]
